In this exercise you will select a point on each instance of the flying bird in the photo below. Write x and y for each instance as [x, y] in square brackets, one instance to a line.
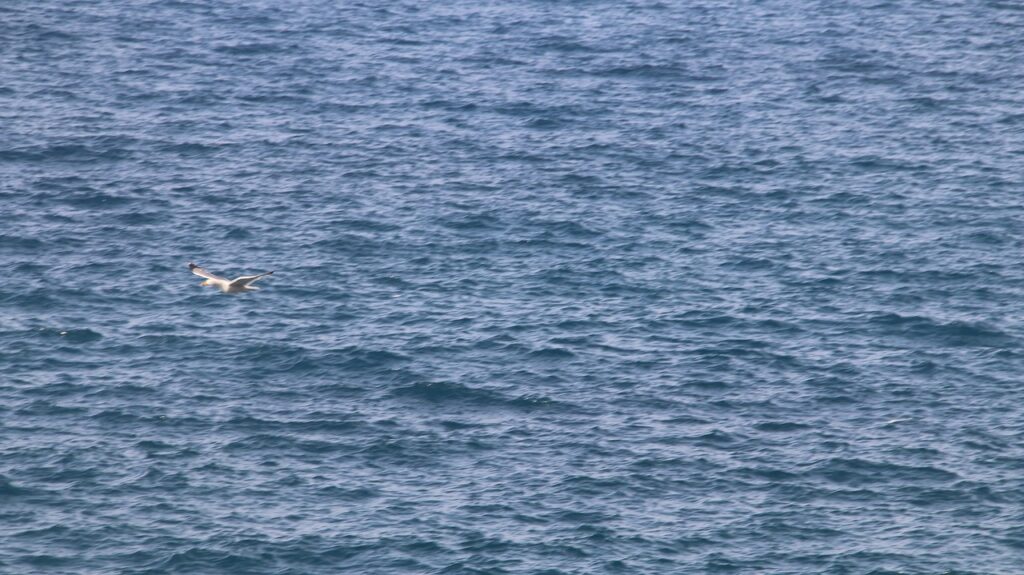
[237, 285]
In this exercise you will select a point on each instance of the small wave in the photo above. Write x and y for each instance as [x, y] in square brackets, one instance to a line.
[49, 532]
[954, 333]
[763, 473]
[361, 359]
[531, 401]
[568, 228]
[365, 225]
[75, 336]
[449, 392]
[99, 149]
[158, 449]
[48, 561]
[154, 477]
[237, 233]
[653, 72]
[115, 416]
[857, 472]
[339, 493]
[202, 559]
[700, 319]
[503, 343]
[47, 408]
[552, 353]
[273, 442]
[316, 422]
[440, 391]
[8, 489]
[189, 149]
[51, 34]
[878, 163]
[750, 264]
[471, 222]
[716, 438]
[781, 426]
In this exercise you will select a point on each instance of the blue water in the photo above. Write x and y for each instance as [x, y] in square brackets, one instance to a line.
[561, 287]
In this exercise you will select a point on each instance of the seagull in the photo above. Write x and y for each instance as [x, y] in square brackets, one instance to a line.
[237, 285]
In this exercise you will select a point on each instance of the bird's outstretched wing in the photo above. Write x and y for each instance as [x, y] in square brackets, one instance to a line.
[246, 280]
[204, 274]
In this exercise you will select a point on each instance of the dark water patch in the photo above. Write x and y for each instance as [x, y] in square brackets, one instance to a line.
[362, 359]
[888, 165]
[79, 336]
[325, 422]
[95, 200]
[471, 221]
[954, 333]
[192, 149]
[781, 426]
[279, 443]
[707, 385]
[502, 342]
[140, 218]
[456, 394]
[250, 48]
[46, 560]
[532, 401]
[699, 319]
[99, 149]
[275, 357]
[568, 228]
[443, 391]
[20, 243]
[941, 498]
[51, 533]
[195, 559]
[365, 225]
[651, 72]
[340, 493]
[985, 440]
[237, 234]
[717, 439]
[732, 352]
[768, 474]
[46, 408]
[750, 264]
[857, 472]
[392, 281]
[114, 418]
[452, 425]
[155, 449]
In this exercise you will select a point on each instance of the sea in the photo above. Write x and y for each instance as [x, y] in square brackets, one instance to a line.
[560, 287]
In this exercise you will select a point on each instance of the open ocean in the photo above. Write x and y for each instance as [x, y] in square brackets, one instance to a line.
[581, 287]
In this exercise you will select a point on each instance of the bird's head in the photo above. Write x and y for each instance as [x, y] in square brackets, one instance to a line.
[205, 283]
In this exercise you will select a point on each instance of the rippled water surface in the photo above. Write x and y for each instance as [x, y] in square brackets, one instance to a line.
[574, 287]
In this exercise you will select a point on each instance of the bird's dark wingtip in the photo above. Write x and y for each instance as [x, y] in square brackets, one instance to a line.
[192, 266]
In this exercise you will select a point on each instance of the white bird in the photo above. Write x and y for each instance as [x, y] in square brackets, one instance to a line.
[237, 285]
